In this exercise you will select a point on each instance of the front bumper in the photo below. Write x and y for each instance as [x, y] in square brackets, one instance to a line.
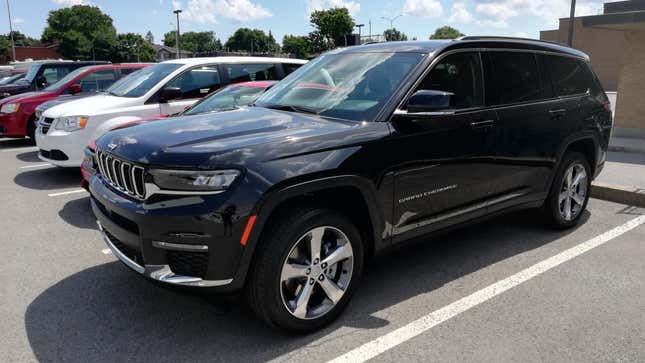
[13, 124]
[56, 142]
[191, 241]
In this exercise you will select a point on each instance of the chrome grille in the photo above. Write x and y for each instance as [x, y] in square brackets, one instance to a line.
[122, 175]
[45, 124]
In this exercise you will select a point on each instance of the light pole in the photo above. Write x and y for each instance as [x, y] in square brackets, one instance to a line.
[177, 12]
[13, 45]
[572, 16]
[391, 20]
[359, 26]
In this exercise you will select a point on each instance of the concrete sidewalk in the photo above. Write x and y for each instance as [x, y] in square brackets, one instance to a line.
[623, 178]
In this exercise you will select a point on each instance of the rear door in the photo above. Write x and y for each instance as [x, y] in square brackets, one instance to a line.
[525, 145]
[442, 159]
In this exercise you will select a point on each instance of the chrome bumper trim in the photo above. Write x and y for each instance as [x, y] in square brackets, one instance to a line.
[161, 272]
[180, 246]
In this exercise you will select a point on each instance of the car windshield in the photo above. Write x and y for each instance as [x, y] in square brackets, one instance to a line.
[31, 73]
[227, 98]
[138, 83]
[352, 86]
[11, 79]
[68, 77]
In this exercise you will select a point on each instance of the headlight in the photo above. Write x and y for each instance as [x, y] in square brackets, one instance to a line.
[10, 107]
[71, 123]
[182, 180]
[38, 113]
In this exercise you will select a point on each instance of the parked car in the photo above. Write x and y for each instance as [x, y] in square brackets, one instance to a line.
[40, 75]
[226, 99]
[11, 77]
[362, 149]
[163, 89]
[18, 116]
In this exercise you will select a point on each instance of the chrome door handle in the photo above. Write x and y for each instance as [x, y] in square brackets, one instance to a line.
[482, 124]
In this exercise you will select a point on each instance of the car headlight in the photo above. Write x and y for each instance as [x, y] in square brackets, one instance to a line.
[38, 113]
[10, 107]
[183, 180]
[71, 123]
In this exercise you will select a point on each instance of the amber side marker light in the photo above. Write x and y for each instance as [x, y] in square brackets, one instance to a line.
[247, 230]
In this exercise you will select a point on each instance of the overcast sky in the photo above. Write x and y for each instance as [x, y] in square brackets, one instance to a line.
[419, 17]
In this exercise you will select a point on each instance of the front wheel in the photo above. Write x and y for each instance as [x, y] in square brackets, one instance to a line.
[31, 127]
[569, 192]
[306, 269]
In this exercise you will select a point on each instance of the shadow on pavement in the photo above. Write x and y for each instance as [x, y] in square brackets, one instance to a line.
[49, 178]
[78, 213]
[29, 157]
[107, 313]
[13, 143]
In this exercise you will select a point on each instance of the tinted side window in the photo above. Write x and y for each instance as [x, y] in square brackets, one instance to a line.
[515, 78]
[53, 74]
[251, 72]
[290, 68]
[98, 81]
[197, 82]
[570, 76]
[459, 74]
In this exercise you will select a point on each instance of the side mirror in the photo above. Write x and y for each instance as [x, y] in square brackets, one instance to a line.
[75, 88]
[41, 82]
[429, 101]
[169, 93]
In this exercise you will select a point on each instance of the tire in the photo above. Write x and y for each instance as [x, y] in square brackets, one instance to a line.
[555, 208]
[31, 128]
[270, 292]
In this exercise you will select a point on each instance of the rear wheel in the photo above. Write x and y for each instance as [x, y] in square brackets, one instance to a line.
[306, 268]
[569, 193]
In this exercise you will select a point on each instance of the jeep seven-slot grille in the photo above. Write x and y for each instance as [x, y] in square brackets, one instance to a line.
[122, 175]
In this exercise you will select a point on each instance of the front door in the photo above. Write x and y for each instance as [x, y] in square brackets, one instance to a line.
[443, 160]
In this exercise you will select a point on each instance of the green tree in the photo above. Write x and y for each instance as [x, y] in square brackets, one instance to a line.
[446, 32]
[132, 47]
[23, 40]
[393, 35]
[251, 40]
[82, 32]
[330, 26]
[169, 38]
[200, 42]
[5, 47]
[297, 45]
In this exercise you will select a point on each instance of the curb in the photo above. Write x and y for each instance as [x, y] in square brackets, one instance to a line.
[618, 193]
[626, 149]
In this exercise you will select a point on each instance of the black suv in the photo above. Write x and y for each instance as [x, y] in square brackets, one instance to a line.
[361, 149]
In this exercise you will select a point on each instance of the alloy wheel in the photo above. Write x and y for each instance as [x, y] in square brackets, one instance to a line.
[573, 192]
[317, 272]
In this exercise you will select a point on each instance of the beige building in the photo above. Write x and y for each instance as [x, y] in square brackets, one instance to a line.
[615, 42]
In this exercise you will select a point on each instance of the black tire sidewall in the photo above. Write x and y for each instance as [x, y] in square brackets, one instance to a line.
[278, 313]
[553, 207]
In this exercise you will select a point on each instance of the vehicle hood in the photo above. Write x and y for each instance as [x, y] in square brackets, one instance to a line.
[14, 88]
[238, 137]
[28, 97]
[64, 98]
[89, 106]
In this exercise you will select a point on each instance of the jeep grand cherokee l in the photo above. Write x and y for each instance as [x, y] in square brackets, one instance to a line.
[360, 150]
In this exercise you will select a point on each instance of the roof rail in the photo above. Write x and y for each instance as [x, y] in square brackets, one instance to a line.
[496, 37]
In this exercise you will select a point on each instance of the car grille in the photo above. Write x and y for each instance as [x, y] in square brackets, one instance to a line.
[188, 263]
[128, 251]
[45, 124]
[122, 175]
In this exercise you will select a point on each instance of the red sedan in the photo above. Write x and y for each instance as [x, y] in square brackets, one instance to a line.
[17, 113]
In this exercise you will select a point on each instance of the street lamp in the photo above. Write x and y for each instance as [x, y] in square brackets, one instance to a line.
[13, 45]
[177, 12]
[391, 20]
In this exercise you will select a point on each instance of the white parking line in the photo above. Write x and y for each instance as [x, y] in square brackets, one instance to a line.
[390, 340]
[31, 148]
[36, 166]
[75, 191]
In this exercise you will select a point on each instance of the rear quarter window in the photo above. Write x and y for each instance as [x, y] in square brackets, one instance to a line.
[570, 76]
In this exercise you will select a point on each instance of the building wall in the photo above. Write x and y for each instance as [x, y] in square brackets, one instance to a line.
[605, 48]
[630, 105]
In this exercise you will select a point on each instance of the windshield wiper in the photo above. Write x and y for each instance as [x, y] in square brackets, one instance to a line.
[300, 109]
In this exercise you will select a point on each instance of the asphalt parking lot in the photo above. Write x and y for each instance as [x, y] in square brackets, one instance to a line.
[508, 289]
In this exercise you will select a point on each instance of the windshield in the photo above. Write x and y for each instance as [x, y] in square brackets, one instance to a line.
[31, 73]
[139, 83]
[11, 79]
[352, 86]
[63, 81]
[228, 98]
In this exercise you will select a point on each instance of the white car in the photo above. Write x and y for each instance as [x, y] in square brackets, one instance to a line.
[163, 89]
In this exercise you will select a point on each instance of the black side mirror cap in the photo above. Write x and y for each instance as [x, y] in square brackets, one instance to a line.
[429, 101]
[169, 93]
